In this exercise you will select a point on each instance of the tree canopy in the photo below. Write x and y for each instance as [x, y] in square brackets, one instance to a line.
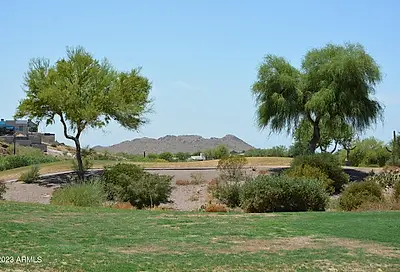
[83, 92]
[334, 86]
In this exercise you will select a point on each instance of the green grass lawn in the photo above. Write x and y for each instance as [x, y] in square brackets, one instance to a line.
[105, 239]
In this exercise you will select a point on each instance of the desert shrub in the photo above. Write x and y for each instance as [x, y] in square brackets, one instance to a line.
[308, 171]
[129, 182]
[217, 153]
[3, 189]
[232, 168]
[215, 208]
[358, 193]
[278, 193]
[197, 178]
[86, 194]
[32, 175]
[227, 193]
[328, 164]
[386, 179]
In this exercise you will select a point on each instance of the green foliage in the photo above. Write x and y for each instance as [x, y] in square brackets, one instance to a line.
[280, 193]
[129, 182]
[328, 164]
[221, 152]
[166, 156]
[276, 151]
[32, 175]
[232, 168]
[182, 156]
[368, 152]
[11, 161]
[152, 156]
[95, 88]
[217, 153]
[307, 171]
[386, 179]
[106, 156]
[331, 132]
[335, 84]
[358, 193]
[230, 177]
[3, 189]
[227, 193]
[298, 148]
[87, 194]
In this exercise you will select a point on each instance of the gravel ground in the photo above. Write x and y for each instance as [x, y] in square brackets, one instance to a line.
[18, 191]
[183, 197]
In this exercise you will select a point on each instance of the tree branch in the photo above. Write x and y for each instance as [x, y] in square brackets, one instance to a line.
[66, 135]
[334, 149]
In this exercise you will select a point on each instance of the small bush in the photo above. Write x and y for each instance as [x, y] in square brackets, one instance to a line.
[227, 193]
[279, 193]
[129, 182]
[386, 179]
[215, 208]
[167, 156]
[197, 178]
[87, 194]
[3, 189]
[31, 176]
[358, 193]
[232, 168]
[307, 171]
[328, 164]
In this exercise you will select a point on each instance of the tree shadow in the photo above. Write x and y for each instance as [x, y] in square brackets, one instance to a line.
[65, 178]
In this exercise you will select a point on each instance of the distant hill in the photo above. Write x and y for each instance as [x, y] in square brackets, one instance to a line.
[174, 144]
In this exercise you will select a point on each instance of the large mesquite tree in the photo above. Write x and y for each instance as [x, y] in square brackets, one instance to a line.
[83, 92]
[334, 85]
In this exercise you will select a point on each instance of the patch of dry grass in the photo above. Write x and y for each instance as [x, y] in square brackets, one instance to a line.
[215, 208]
[303, 242]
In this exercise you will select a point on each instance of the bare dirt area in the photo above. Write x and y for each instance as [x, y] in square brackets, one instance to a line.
[189, 186]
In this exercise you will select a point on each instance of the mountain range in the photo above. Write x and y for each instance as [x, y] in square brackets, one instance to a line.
[174, 144]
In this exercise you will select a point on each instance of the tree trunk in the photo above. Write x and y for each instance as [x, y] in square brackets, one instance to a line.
[315, 138]
[81, 171]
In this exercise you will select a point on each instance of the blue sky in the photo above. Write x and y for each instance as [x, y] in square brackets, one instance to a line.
[201, 56]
